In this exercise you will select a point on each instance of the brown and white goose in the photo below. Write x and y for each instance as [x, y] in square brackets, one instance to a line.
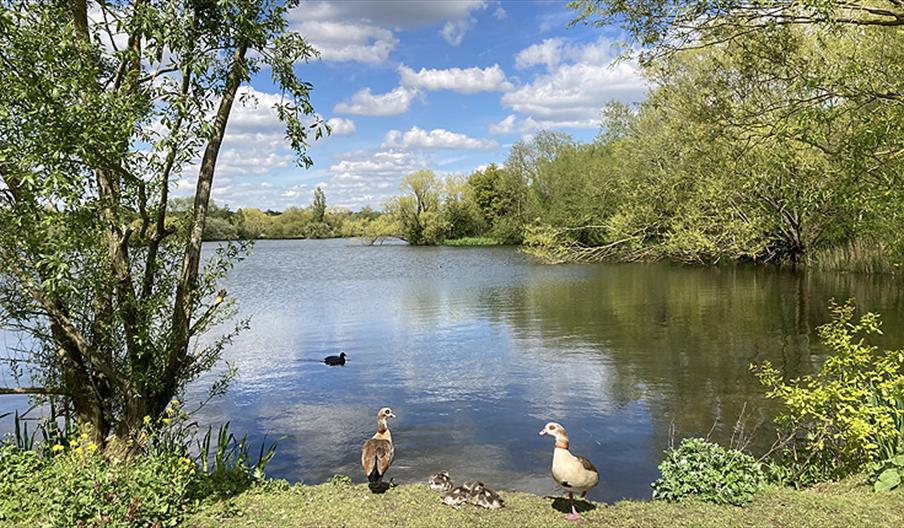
[377, 453]
[574, 473]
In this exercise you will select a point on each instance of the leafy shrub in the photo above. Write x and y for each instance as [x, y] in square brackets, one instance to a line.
[75, 484]
[708, 472]
[839, 419]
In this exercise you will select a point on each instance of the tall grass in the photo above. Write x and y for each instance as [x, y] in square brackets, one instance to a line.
[858, 256]
[231, 454]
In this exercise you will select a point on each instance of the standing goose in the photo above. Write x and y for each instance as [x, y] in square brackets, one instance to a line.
[574, 473]
[377, 453]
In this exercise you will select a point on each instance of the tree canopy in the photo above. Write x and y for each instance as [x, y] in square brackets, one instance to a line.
[104, 107]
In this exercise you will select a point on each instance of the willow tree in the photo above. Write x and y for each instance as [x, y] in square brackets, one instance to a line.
[671, 25]
[104, 107]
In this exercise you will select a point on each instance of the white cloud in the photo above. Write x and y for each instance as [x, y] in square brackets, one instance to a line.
[515, 125]
[576, 91]
[580, 80]
[500, 13]
[461, 80]
[364, 102]
[437, 138]
[547, 52]
[506, 126]
[254, 144]
[340, 126]
[348, 41]
[400, 14]
[454, 31]
[364, 31]
[366, 177]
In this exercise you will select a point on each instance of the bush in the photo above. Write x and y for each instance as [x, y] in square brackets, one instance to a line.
[708, 472]
[74, 484]
[79, 487]
[846, 417]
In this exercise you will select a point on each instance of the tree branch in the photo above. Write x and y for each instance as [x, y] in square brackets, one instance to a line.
[29, 390]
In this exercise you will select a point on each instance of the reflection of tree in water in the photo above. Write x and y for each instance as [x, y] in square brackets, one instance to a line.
[682, 339]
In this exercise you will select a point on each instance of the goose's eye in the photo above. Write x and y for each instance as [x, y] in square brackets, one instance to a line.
[551, 427]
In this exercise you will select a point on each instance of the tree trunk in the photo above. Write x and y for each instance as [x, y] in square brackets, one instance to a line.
[184, 302]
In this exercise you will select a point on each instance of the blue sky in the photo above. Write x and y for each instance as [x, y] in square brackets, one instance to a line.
[443, 85]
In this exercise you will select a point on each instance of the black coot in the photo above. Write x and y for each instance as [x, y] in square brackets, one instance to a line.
[335, 360]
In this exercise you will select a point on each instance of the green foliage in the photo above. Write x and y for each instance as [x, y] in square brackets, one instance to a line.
[889, 474]
[708, 472]
[315, 221]
[100, 276]
[773, 143]
[340, 480]
[417, 213]
[69, 481]
[848, 415]
[318, 206]
[471, 241]
[80, 487]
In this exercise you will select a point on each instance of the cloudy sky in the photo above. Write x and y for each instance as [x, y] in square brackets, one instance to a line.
[445, 85]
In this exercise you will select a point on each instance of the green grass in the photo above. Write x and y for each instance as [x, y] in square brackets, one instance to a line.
[848, 504]
[471, 241]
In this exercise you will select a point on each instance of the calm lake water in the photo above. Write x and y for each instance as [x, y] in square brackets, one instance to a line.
[475, 349]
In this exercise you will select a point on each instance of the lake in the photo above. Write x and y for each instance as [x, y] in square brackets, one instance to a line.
[475, 349]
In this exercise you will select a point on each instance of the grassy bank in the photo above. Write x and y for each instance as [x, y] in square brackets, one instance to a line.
[471, 241]
[845, 505]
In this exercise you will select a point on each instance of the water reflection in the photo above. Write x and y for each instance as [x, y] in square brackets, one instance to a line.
[476, 348]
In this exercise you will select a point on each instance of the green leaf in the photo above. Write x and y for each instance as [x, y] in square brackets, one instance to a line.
[888, 480]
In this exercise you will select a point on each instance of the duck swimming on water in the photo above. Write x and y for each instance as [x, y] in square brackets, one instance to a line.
[334, 361]
[574, 473]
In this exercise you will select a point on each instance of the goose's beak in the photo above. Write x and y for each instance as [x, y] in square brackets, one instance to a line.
[392, 415]
[543, 432]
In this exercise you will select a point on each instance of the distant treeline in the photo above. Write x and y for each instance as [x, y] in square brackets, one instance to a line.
[295, 222]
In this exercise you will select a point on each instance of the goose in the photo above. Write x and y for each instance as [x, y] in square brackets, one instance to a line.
[335, 360]
[486, 498]
[574, 473]
[456, 496]
[440, 481]
[473, 486]
[377, 453]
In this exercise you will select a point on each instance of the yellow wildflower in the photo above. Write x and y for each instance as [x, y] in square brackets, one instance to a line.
[167, 421]
[176, 403]
[147, 420]
[73, 443]
[92, 447]
[84, 436]
[57, 448]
